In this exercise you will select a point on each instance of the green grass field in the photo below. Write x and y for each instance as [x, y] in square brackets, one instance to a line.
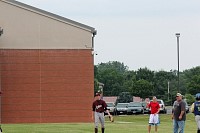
[122, 124]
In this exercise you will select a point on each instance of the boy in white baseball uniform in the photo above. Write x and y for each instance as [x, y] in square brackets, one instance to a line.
[99, 106]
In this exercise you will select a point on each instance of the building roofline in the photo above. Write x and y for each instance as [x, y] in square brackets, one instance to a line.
[50, 15]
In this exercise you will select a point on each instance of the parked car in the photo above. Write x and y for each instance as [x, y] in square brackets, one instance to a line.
[121, 108]
[111, 108]
[187, 109]
[146, 110]
[162, 106]
[135, 108]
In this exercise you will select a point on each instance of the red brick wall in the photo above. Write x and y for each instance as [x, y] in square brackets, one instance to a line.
[46, 86]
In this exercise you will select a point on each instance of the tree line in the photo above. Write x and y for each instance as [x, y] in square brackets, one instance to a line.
[145, 83]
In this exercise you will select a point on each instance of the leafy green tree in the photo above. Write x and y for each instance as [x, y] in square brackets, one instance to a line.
[118, 66]
[130, 78]
[161, 81]
[96, 86]
[145, 73]
[144, 83]
[194, 85]
[190, 98]
[112, 75]
[192, 80]
[125, 97]
[142, 88]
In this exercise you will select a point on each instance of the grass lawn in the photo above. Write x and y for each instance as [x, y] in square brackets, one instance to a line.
[122, 124]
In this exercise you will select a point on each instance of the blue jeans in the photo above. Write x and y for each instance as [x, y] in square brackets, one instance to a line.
[178, 125]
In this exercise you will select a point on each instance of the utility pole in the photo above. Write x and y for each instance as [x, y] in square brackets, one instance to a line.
[177, 36]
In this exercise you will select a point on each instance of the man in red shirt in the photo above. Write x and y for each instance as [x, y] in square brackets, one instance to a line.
[99, 106]
[154, 117]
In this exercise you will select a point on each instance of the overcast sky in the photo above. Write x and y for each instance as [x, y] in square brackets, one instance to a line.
[139, 33]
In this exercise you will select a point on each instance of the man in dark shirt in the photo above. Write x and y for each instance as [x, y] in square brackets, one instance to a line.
[178, 114]
[99, 106]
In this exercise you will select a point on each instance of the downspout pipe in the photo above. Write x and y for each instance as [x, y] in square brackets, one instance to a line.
[1, 31]
[93, 35]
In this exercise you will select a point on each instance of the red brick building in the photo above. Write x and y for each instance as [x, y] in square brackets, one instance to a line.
[46, 66]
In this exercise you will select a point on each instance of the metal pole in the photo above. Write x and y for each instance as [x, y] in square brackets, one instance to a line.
[168, 89]
[178, 35]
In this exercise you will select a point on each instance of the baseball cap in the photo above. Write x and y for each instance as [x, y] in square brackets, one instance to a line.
[198, 95]
[178, 95]
[97, 94]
